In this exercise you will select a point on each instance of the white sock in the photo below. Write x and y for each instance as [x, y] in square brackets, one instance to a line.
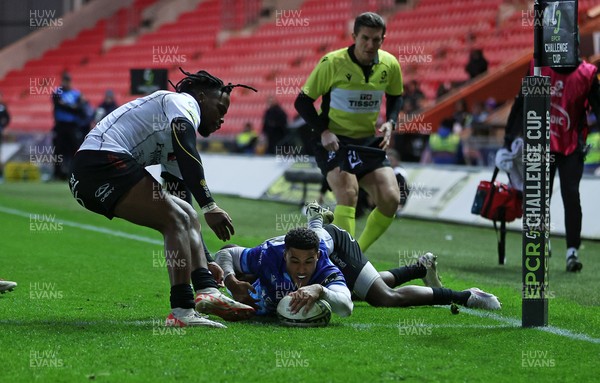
[178, 312]
[571, 251]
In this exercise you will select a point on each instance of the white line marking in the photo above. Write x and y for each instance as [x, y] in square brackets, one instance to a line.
[367, 326]
[517, 323]
[83, 226]
[510, 322]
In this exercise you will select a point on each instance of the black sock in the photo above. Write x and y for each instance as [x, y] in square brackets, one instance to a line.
[182, 296]
[408, 273]
[443, 296]
[202, 279]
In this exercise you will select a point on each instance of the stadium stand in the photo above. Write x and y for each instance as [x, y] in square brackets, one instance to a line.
[432, 41]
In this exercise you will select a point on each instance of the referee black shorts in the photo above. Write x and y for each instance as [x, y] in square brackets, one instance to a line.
[359, 156]
[100, 178]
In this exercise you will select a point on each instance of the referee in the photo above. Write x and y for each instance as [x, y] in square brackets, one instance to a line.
[351, 82]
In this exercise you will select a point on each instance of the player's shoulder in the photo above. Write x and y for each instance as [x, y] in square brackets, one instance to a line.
[178, 98]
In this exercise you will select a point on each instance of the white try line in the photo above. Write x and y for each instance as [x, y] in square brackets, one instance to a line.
[509, 322]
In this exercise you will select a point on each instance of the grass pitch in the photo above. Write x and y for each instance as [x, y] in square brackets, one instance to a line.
[93, 295]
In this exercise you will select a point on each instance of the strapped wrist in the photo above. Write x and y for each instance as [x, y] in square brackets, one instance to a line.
[208, 208]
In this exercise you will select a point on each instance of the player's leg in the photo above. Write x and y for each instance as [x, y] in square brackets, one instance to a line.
[114, 184]
[424, 268]
[380, 295]
[141, 205]
[570, 171]
[209, 299]
[345, 188]
[382, 186]
[318, 216]
[175, 186]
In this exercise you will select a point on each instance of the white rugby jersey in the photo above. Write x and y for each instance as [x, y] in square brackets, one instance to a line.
[142, 127]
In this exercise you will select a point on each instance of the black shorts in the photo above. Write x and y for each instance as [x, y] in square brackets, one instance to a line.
[100, 178]
[346, 255]
[359, 156]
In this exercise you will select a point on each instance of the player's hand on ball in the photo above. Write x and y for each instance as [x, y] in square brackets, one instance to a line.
[305, 297]
[220, 222]
[217, 273]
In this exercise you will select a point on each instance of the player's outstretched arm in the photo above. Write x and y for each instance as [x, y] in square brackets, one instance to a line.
[192, 171]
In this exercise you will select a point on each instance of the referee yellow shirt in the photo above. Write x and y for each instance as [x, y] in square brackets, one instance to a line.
[351, 99]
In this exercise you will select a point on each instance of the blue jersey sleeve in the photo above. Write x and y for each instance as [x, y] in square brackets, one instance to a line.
[250, 260]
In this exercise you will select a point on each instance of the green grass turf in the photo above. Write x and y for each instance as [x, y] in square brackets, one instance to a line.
[90, 307]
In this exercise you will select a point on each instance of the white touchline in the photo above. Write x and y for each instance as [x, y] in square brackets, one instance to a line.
[511, 322]
[84, 226]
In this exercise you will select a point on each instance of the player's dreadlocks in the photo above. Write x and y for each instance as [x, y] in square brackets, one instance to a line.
[205, 81]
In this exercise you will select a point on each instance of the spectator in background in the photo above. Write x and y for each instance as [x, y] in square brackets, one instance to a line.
[413, 95]
[444, 88]
[108, 105]
[461, 115]
[245, 142]
[86, 118]
[573, 89]
[592, 158]
[274, 125]
[477, 63]
[443, 145]
[478, 113]
[66, 133]
[4, 120]
[490, 105]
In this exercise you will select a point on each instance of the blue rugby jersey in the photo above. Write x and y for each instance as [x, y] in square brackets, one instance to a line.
[273, 282]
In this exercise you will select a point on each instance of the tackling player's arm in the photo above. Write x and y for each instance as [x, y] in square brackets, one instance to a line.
[192, 171]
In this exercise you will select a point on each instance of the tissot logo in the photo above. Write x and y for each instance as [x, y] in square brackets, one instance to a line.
[102, 189]
[366, 96]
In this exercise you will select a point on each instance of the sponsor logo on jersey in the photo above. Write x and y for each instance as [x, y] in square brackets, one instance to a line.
[333, 277]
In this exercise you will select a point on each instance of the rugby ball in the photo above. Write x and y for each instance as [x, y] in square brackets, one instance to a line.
[318, 316]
